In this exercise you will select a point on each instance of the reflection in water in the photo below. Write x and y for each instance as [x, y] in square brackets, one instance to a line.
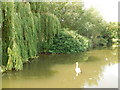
[58, 71]
[109, 78]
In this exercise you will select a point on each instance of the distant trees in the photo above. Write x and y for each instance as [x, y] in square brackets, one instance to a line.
[68, 13]
[87, 22]
[110, 34]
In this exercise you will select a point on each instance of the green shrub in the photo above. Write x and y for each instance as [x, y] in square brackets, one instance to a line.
[110, 34]
[69, 42]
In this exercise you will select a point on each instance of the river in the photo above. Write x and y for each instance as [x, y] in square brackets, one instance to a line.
[99, 70]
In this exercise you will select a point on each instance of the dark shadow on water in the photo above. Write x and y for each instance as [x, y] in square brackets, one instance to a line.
[41, 66]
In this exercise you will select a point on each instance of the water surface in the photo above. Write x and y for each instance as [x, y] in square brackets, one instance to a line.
[99, 70]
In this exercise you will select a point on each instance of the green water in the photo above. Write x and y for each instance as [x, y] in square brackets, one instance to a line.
[58, 71]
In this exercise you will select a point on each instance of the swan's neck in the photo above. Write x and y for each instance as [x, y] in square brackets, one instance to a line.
[76, 65]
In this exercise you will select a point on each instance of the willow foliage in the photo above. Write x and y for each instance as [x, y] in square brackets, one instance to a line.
[39, 7]
[11, 51]
[6, 29]
[50, 27]
[0, 34]
[25, 33]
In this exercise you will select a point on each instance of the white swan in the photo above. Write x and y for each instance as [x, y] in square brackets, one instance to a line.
[77, 69]
[106, 59]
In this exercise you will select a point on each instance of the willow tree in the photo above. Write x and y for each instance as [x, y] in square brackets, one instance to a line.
[49, 28]
[11, 51]
[39, 7]
[46, 24]
[19, 37]
[25, 33]
[29, 33]
[37, 27]
[0, 34]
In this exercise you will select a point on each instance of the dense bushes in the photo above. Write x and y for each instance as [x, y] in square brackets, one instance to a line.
[69, 42]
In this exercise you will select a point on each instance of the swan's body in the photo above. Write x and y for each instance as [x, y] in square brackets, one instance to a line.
[77, 69]
[106, 59]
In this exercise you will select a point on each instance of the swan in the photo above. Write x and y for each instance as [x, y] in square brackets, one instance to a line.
[106, 59]
[77, 69]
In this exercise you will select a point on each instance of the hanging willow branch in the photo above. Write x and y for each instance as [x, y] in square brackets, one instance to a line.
[26, 33]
